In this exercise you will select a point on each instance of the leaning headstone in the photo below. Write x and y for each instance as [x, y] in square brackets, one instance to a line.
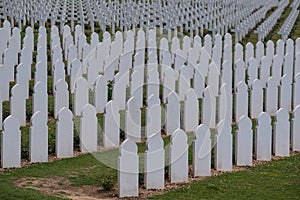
[38, 138]
[263, 137]
[133, 120]
[111, 133]
[172, 113]
[11, 143]
[155, 163]
[18, 103]
[223, 147]
[202, 151]
[64, 133]
[81, 95]
[178, 157]
[243, 142]
[191, 111]
[281, 139]
[128, 170]
[295, 137]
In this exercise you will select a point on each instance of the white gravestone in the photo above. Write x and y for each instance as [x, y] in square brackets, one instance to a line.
[271, 102]
[256, 98]
[223, 147]
[202, 151]
[241, 100]
[133, 120]
[100, 94]
[128, 170]
[81, 95]
[61, 96]
[243, 142]
[263, 137]
[191, 111]
[11, 143]
[88, 129]
[111, 133]
[155, 163]
[18, 103]
[172, 113]
[64, 134]
[295, 137]
[178, 163]
[281, 139]
[40, 98]
[38, 138]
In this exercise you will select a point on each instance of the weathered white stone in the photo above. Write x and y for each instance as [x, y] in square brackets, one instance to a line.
[178, 157]
[64, 133]
[202, 151]
[243, 142]
[111, 129]
[88, 129]
[223, 147]
[263, 137]
[128, 170]
[191, 111]
[38, 138]
[281, 139]
[11, 143]
[155, 163]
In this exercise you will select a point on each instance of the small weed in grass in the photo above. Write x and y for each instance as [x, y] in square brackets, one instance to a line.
[107, 182]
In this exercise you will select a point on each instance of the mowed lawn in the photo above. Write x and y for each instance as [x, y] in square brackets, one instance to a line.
[279, 179]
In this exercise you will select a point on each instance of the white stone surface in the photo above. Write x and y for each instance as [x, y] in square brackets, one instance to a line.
[133, 120]
[64, 134]
[281, 138]
[128, 170]
[81, 95]
[263, 137]
[111, 129]
[271, 102]
[18, 103]
[295, 134]
[191, 111]
[178, 163]
[241, 100]
[243, 142]
[223, 147]
[256, 98]
[155, 163]
[202, 151]
[172, 113]
[88, 129]
[38, 138]
[11, 143]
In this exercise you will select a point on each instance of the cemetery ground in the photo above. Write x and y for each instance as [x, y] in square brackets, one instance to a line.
[85, 177]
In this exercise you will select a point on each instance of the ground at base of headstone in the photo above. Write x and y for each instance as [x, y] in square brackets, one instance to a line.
[63, 187]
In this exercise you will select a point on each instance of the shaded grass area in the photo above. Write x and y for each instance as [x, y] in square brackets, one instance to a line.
[279, 179]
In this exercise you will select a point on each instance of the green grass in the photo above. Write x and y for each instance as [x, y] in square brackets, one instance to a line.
[278, 179]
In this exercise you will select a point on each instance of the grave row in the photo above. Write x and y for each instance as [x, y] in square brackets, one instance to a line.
[138, 64]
